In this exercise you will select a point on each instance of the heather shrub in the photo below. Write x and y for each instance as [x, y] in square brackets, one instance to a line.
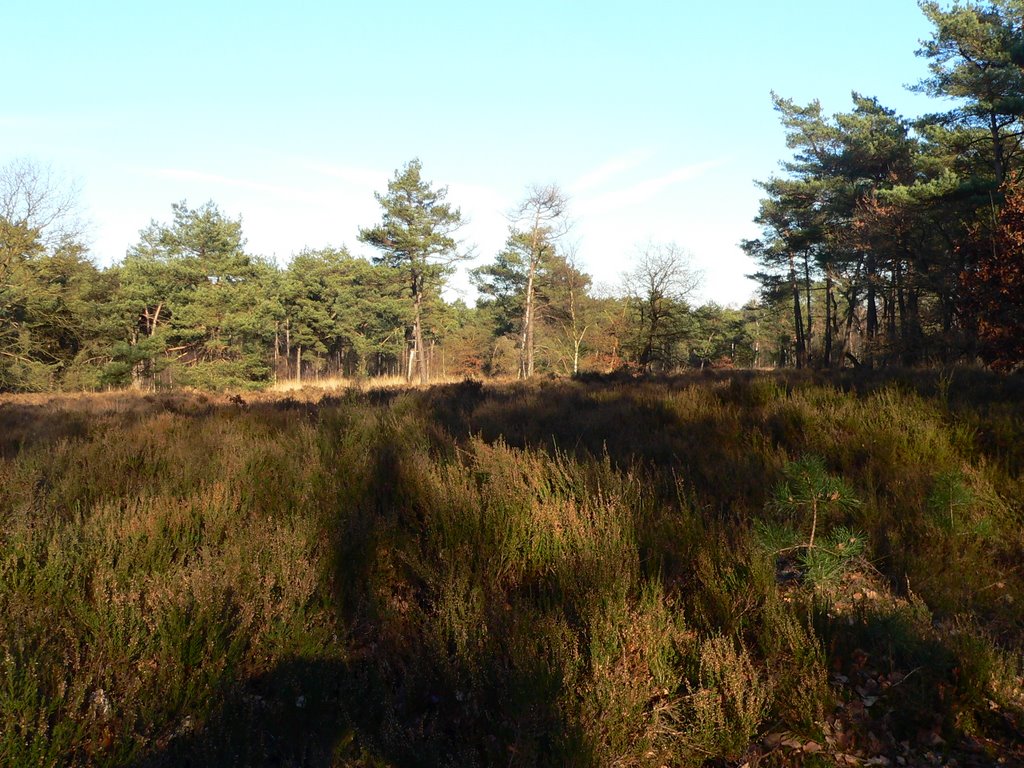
[555, 573]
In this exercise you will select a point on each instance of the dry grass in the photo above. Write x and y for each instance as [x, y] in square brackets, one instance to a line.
[554, 573]
[336, 384]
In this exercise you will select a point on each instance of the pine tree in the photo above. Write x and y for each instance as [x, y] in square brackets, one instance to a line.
[415, 237]
[995, 286]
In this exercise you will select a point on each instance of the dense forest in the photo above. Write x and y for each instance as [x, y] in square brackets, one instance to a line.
[885, 241]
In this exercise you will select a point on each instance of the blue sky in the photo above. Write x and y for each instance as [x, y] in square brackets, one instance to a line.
[655, 117]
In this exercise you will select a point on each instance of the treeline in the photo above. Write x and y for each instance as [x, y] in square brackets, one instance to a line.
[885, 241]
[189, 306]
[898, 241]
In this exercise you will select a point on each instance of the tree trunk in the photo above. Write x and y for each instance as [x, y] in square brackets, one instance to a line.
[647, 356]
[836, 359]
[899, 287]
[851, 314]
[577, 334]
[871, 332]
[156, 319]
[526, 338]
[798, 323]
[827, 352]
[757, 342]
[889, 317]
[914, 346]
[288, 347]
[417, 339]
[807, 293]
[577, 343]
[997, 149]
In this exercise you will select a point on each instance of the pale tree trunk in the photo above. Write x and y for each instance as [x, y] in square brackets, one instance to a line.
[577, 342]
[152, 321]
[574, 319]
[155, 319]
[757, 342]
[287, 347]
[417, 339]
[137, 368]
[544, 207]
[526, 343]
[808, 336]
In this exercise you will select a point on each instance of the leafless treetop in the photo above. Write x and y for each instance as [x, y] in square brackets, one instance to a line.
[33, 195]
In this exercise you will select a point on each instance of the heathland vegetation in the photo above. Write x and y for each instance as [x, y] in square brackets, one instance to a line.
[604, 546]
[725, 568]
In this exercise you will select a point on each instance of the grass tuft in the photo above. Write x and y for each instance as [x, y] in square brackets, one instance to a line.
[553, 573]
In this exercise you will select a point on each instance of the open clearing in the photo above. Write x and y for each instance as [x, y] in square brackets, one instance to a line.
[773, 569]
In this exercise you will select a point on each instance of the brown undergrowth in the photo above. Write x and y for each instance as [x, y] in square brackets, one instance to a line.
[561, 573]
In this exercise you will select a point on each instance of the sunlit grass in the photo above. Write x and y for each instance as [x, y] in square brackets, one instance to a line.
[340, 383]
[558, 573]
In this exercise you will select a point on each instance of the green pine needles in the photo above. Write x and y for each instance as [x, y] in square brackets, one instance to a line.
[950, 501]
[809, 496]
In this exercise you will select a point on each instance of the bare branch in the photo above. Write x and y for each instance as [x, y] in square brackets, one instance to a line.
[35, 196]
[544, 208]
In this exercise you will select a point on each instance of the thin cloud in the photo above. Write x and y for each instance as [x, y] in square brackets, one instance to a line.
[482, 209]
[184, 174]
[643, 191]
[469, 196]
[360, 177]
[608, 170]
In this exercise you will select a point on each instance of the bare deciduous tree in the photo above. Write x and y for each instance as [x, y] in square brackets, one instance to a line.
[572, 315]
[657, 289]
[35, 197]
[540, 220]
